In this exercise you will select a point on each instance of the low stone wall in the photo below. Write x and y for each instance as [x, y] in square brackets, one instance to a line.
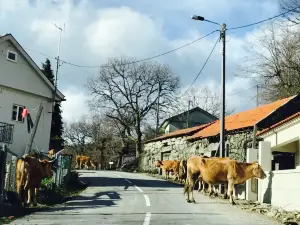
[180, 148]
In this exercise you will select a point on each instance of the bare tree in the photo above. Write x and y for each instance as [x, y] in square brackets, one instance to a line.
[129, 92]
[202, 97]
[274, 61]
[293, 7]
[106, 142]
[77, 134]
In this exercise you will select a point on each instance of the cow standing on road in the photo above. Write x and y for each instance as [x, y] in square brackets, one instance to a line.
[220, 171]
[167, 166]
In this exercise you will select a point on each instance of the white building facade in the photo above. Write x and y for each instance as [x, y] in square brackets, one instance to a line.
[279, 156]
[22, 84]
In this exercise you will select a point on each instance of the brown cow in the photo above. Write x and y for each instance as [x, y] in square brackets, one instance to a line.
[183, 174]
[82, 161]
[29, 173]
[219, 171]
[167, 166]
[193, 170]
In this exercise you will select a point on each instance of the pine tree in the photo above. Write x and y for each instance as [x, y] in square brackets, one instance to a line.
[46, 69]
[56, 140]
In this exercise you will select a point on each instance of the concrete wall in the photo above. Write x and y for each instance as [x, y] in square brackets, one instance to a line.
[20, 75]
[286, 139]
[21, 136]
[20, 84]
[179, 148]
[281, 188]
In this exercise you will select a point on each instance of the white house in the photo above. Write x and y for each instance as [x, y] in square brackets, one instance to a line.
[279, 156]
[22, 84]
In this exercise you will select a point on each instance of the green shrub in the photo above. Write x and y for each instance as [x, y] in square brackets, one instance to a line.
[49, 195]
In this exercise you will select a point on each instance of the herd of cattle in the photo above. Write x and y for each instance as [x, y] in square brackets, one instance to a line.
[31, 169]
[212, 171]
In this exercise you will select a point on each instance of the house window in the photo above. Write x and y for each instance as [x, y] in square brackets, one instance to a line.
[11, 56]
[17, 113]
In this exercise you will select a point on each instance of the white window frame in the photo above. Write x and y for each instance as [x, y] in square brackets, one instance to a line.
[9, 51]
[18, 108]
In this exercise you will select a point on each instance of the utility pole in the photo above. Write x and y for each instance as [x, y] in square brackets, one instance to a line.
[157, 111]
[222, 114]
[257, 102]
[188, 115]
[57, 64]
[222, 107]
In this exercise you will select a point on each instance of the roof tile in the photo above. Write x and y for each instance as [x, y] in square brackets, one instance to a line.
[241, 120]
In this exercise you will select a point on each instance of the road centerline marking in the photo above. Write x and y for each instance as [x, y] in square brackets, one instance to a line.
[140, 190]
[147, 200]
[147, 218]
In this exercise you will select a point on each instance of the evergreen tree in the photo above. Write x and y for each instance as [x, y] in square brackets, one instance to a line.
[56, 140]
[46, 69]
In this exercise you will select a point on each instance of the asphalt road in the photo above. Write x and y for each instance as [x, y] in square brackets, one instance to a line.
[134, 199]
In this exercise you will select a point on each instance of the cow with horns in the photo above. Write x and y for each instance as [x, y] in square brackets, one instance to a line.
[29, 173]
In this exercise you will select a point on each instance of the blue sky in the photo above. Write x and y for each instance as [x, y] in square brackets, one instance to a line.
[96, 30]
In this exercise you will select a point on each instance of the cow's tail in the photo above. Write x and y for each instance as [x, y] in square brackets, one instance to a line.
[24, 180]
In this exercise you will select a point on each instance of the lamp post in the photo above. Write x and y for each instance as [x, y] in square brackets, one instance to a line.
[222, 106]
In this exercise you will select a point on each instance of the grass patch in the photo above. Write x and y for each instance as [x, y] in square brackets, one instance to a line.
[5, 220]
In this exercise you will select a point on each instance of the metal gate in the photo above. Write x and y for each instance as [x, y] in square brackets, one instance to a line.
[62, 172]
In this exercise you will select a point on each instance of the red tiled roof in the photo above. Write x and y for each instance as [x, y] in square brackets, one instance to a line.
[279, 123]
[241, 120]
[181, 132]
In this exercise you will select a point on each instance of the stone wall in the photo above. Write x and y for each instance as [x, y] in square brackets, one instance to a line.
[180, 148]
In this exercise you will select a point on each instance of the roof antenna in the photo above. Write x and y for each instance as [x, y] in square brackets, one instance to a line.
[57, 62]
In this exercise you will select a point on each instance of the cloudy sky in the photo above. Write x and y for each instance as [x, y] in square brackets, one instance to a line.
[98, 29]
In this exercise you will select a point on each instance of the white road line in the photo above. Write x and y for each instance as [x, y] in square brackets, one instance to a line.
[140, 190]
[147, 218]
[128, 181]
[147, 200]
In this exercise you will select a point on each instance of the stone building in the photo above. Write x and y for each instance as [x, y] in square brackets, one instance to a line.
[241, 129]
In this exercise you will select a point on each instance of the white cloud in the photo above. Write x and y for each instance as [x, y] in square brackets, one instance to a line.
[95, 31]
[75, 106]
[122, 31]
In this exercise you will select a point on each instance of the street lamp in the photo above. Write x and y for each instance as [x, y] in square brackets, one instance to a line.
[201, 18]
[222, 107]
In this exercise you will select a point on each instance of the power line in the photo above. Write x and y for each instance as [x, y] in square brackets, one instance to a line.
[133, 62]
[202, 67]
[145, 59]
[230, 94]
[261, 21]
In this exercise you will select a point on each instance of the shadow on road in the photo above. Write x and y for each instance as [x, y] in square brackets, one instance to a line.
[119, 182]
[98, 200]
